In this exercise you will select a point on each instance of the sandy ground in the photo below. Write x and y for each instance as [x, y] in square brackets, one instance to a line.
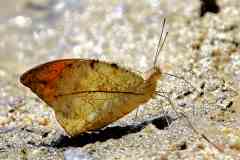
[202, 46]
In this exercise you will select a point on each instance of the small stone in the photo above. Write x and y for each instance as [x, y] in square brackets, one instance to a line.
[235, 142]
[76, 154]
[21, 21]
[226, 130]
[28, 120]
[44, 121]
[4, 121]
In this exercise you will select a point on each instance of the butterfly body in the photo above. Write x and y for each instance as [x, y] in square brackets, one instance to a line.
[89, 94]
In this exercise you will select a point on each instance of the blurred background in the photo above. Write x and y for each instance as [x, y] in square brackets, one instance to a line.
[202, 46]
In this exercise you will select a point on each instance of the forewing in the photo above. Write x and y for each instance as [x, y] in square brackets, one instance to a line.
[42, 79]
[85, 94]
[91, 75]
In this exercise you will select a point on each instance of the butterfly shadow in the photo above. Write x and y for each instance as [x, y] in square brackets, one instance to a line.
[113, 132]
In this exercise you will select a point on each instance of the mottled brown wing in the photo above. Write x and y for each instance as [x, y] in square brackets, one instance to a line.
[86, 94]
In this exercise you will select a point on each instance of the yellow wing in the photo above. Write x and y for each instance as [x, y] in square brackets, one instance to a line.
[86, 94]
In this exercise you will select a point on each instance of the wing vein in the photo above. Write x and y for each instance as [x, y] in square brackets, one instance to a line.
[110, 92]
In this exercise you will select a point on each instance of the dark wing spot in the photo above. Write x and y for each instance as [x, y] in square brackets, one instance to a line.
[61, 76]
[114, 65]
[43, 82]
[92, 64]
[70, 65]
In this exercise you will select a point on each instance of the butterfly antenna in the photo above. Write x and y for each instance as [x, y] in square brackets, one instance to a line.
[160, 45]
[159, 48]
[159, 93]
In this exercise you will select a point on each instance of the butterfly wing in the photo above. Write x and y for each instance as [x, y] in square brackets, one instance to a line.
[86, 94]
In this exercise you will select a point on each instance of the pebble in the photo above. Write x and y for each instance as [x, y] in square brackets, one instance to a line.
[76, 154]
[4, 121]
[44, 121]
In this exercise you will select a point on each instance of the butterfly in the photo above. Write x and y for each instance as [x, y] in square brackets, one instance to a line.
[88, 94]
